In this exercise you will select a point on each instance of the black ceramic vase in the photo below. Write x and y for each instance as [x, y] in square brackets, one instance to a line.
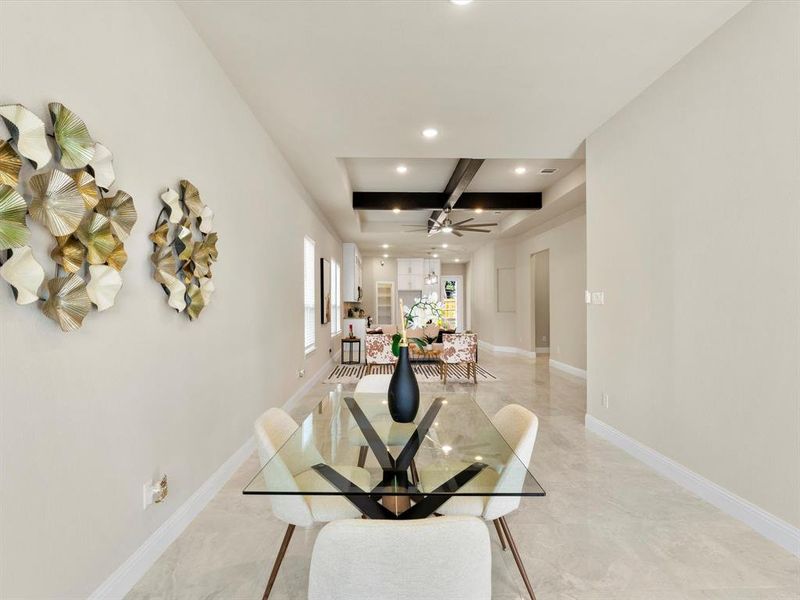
[403, 390]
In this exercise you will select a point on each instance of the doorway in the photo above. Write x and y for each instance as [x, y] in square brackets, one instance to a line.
[540, 302]
[452, 297]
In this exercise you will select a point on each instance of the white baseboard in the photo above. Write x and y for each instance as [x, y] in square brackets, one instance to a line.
[568, 368]
[121, 581]
[506, 350]
[543, 350]
[768, 525]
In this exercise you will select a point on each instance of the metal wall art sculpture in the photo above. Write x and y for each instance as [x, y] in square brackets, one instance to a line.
[184, 247]
[60, 179]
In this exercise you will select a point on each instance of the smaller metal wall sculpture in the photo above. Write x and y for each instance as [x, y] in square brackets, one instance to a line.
[184, 248]
[62, 180]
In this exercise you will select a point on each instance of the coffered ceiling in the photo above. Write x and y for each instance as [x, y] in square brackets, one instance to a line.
[346, 87]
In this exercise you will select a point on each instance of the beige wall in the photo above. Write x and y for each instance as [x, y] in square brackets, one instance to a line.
[693, 235]
[87, 417]
[565, 238]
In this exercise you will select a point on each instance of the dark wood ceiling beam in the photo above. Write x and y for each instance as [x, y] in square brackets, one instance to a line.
[431, 200]
[465, 170]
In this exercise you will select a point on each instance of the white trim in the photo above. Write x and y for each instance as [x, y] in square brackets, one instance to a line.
[127, 575]
[555, 364]
[506, 350]
[768, 525]
[543, 350]
[122, 580]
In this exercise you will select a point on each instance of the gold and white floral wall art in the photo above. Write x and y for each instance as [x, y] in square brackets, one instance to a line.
[62, 179]
[184, 249]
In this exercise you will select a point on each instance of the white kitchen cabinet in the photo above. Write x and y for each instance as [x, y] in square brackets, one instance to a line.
[351, 273]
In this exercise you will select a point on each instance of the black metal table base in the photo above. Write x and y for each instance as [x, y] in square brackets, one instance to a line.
[395, 472]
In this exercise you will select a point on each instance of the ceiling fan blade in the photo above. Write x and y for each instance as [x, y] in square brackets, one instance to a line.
[457, 233]
[464, 221]
[470, 230]
[482, 225]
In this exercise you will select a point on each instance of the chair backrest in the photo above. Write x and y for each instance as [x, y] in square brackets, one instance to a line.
[519, 427]
[373, 384]
[459, 348]
[379, 349]
[446, 557]
[273, 429]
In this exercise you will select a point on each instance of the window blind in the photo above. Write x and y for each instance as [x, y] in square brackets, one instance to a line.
[309, 298]
[336, 299]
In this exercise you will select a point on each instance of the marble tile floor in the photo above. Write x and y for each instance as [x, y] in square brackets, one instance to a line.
[609, 527]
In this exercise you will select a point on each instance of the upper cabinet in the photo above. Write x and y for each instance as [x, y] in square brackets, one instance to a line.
[351, 273]
[411, 273]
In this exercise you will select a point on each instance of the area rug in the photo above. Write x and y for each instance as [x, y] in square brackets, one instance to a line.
[425, 372]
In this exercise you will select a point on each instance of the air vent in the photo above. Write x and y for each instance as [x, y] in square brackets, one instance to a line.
[548, 171]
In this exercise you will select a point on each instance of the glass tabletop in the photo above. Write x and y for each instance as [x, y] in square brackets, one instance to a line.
[349, 445]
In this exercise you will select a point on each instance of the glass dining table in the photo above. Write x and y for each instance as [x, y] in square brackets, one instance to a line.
[407, 470]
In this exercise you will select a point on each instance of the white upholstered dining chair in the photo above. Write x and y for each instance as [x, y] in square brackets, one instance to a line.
[291, 470]
[424, 559]
[519, 428]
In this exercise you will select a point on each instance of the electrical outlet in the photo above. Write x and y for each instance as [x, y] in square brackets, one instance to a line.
[598, 298]
[301, 373]
[154, 493]
[605, 400]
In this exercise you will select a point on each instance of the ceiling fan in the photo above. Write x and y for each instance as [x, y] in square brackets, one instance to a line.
[447, 226]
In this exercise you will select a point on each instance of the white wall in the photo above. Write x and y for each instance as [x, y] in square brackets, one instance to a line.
[565, 238]
[87, 417]
[540, 280]
[692, 226]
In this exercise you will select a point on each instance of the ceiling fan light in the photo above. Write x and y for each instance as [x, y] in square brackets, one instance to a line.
[447, 229]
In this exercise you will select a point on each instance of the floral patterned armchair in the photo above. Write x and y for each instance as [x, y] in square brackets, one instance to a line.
[459, 348]
[379, 350]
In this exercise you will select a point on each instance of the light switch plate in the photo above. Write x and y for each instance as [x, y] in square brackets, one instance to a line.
[587, 297]
[598, 297]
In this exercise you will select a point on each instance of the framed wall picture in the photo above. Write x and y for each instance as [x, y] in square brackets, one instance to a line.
[325, 287]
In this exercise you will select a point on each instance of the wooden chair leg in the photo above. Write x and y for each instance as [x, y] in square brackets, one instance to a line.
[362, 456]
[475, 373]
[369, 368]
[278, 560]
[500, 533]
[517, 557]
[445, 373]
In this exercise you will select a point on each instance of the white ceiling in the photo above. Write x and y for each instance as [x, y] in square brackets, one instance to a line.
[504, 80]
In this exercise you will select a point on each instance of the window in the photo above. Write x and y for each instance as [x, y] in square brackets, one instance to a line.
[336, 299]
[308, 293]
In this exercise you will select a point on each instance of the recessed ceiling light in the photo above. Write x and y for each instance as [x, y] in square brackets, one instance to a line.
[478, 211]
[520, 170]
[460, 2]
[384, 245]
[402, 169]
[458, 260]
[385, 256]
[395, 210]
[430, 132]
[444, 245]
[435, 256]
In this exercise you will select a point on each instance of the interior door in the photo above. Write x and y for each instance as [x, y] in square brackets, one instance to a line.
[452, 296]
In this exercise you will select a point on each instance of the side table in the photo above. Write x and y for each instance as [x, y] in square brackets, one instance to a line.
[350, 342]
